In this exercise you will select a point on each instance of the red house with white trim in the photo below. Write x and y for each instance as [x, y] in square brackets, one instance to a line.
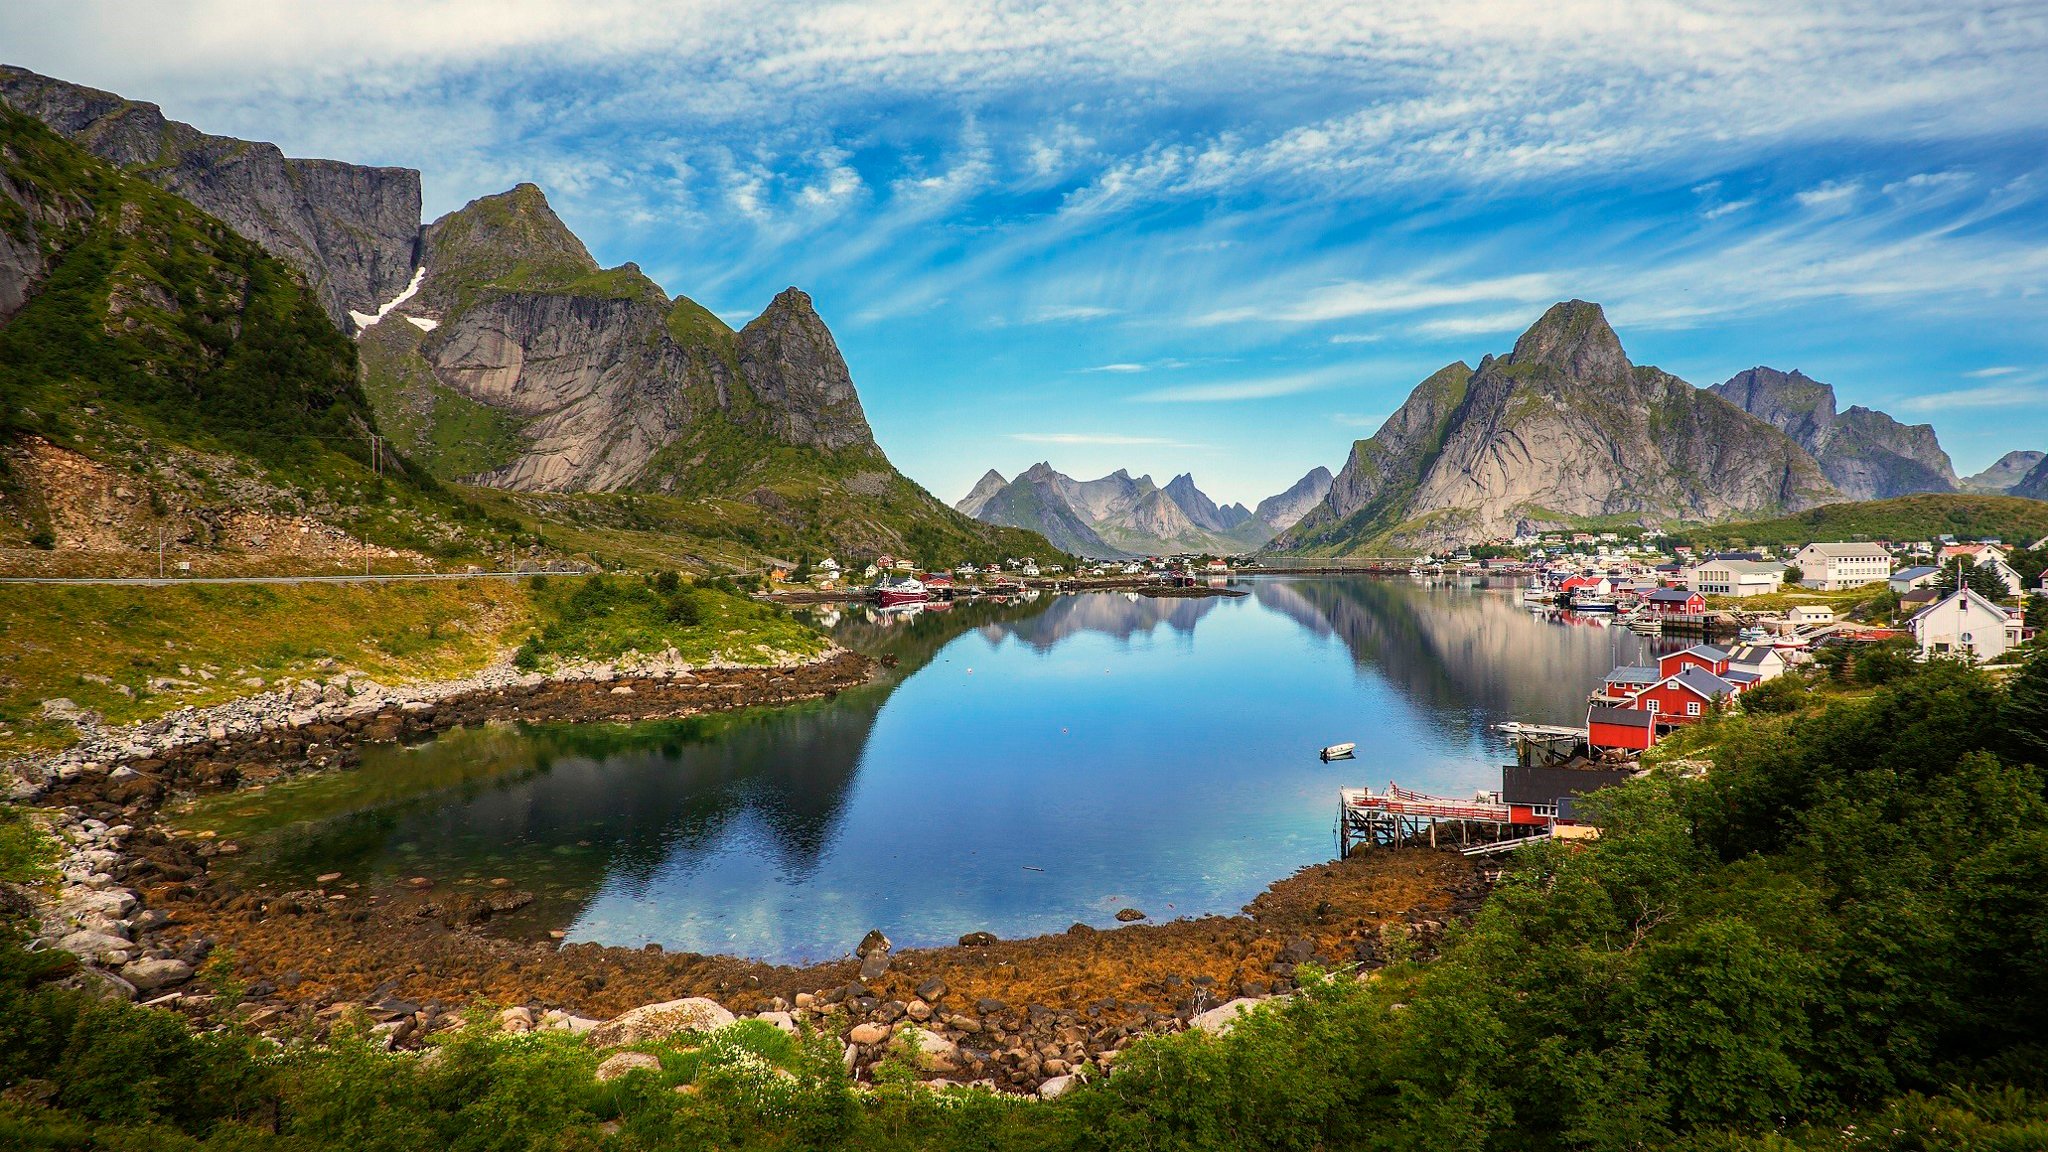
[1676, 602]
[1629, 729]
[1704, 656]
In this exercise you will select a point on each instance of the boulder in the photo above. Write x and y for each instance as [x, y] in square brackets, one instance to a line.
[1218, 1020]
[660, 1021]
[98, 947]
[871, 943]
[935, 1053]
[1127, 915]
[874, 966]
[781, 1020]
[868, 1034]
[620, 1063]
[1055, 1087]
[150, 975]
[978, 940]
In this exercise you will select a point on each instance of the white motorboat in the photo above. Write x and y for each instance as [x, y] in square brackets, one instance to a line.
[1338, 751]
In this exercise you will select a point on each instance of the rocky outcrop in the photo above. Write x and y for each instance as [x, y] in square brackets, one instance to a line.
[1864, 453]
[350, 230]
[1563, 428]
[2010, 470]
[792, 365]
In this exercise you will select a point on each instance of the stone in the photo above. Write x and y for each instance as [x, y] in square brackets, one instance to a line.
[932, 990]
[150, 975]
[98, 947]
[1218, 1020]
[934, 1053]
[978, 940]
[989, 1006]
[918, 1010]
[1055, 1087]
[783, 1021]
[865, 1034]
[1127, 915]
[874, 966]
[622, 1063]
[660, 1021]
[871, 943]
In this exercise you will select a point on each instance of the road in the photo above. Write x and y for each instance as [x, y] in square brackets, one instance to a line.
[379, 578]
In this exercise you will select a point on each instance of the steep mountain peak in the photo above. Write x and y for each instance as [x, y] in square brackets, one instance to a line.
[984, 490]
[512, 240]
[1574, 338]
[2010, 469]
[1863, 452]
[793, 367]
[1043, 470]
[1280, 512]
[1800, 406]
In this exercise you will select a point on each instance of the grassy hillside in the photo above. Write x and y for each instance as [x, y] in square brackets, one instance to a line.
[133, 653]
[1924, 517]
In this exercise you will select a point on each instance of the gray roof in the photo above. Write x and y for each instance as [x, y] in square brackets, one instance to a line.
[1676, 595]
[1751, 653]
[1915, 572]
[1630, 717]
[1634, 675]
[1703, 651]
[1704, 682]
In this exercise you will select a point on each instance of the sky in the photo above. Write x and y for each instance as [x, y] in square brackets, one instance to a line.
[1218, 238]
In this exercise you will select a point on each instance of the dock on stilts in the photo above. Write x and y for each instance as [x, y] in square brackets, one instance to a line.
[1395, 816]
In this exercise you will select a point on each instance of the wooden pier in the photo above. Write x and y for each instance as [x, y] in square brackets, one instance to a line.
[1395, 816]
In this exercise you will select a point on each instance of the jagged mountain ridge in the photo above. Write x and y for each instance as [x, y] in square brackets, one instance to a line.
[349, 229]
[504, 355]
[1121, 516]
[1562, 430]
[1864, 453]
[2007, 473]
[2034, 485]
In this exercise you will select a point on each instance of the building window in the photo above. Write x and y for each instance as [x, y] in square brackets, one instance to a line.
[1692, 708]
[1653, 707]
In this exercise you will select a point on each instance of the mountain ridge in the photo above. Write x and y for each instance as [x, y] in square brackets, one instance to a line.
[1118, 515]
[1864, 453]
[1562, 430]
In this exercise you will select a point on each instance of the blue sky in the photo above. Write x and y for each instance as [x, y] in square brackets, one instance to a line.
[1224, 238]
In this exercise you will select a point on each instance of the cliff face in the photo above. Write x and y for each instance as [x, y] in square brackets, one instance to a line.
[1863, 452]
[1281, 511]
[2034, 485]
[1562, 429]
[1034, 500]
[792, 365]
[349, 230]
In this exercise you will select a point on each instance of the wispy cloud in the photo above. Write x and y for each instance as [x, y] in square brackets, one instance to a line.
[1988, 373]
[1353, 298]
[1055, 313]
[1829, 194]
[1728, 209]
[1255, 388]
[1098, 438]
[1989, 396]
[1120, 368]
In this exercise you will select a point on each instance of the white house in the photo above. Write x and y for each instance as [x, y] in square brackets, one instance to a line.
[1831, 567]
[1736, 578]
[1990, 557]
[1811, 615]
[828, 564]
[1965, 623]
[1759, 660]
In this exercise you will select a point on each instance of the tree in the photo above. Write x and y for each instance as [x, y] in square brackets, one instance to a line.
[1981, 579]
[1794, 574]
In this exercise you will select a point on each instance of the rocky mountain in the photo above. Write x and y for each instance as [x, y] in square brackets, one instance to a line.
[492, 348]
[349, 230]
[1562, 430]
[2034, 485]
[1280, 512]
[1118, 515]
[1864, 453]
[2007, 473]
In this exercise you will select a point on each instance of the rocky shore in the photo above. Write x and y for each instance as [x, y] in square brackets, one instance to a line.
[141, 908]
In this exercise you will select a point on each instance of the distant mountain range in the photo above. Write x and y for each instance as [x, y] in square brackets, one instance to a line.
[1118, 515]
[1864, 453]
[2007, 474]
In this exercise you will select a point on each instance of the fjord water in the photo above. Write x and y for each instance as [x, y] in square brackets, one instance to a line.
[1022, 768]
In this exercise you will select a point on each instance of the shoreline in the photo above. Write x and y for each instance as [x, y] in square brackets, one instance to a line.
[140, 906]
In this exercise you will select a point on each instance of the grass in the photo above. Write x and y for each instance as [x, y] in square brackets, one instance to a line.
[133, 654]
[1843, 601]
[1904, 518]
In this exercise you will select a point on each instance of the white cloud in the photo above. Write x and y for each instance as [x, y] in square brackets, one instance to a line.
[1254, 388]
[1989, 396]
[1120, 368]
[1364, 298]
[1728, 209]
[1055, 313]
[1828, 194]
[1106, 438]
[1987, 373]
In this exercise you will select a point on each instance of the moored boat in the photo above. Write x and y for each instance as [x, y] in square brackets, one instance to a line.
[908, 590]
[1338, 751]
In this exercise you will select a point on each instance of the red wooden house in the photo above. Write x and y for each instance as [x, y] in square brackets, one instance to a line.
[1630, 729]
[1704, 656]
[1676, 602]
[1685, 696]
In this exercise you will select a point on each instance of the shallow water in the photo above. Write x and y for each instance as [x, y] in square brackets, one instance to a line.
[1023, 768]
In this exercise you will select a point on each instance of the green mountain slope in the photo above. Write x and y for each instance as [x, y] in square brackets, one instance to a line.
[1923, 517]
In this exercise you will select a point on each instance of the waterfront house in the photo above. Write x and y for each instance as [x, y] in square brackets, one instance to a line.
[1030, 568]
[1810, 615]
[1964, 623]
[1833, 567]
[1736, 578]
[1702, 656]
[1918, 576]
[1676, 602]
[1759, 660]
[1685, 696]
[1627, 729]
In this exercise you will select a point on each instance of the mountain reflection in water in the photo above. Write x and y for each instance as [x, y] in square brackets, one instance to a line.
[1155, 753]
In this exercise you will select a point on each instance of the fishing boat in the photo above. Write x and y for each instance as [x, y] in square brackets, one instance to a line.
[1538, 594]
[908, 590]
[1586, 600]
[1338, 752]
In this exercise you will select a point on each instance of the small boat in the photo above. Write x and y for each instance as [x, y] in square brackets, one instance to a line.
[1338, 752]
[1591, 602]
[1538, 595]
[905, 591]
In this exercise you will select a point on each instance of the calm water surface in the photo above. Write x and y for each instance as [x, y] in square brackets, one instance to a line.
[1023, 768]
